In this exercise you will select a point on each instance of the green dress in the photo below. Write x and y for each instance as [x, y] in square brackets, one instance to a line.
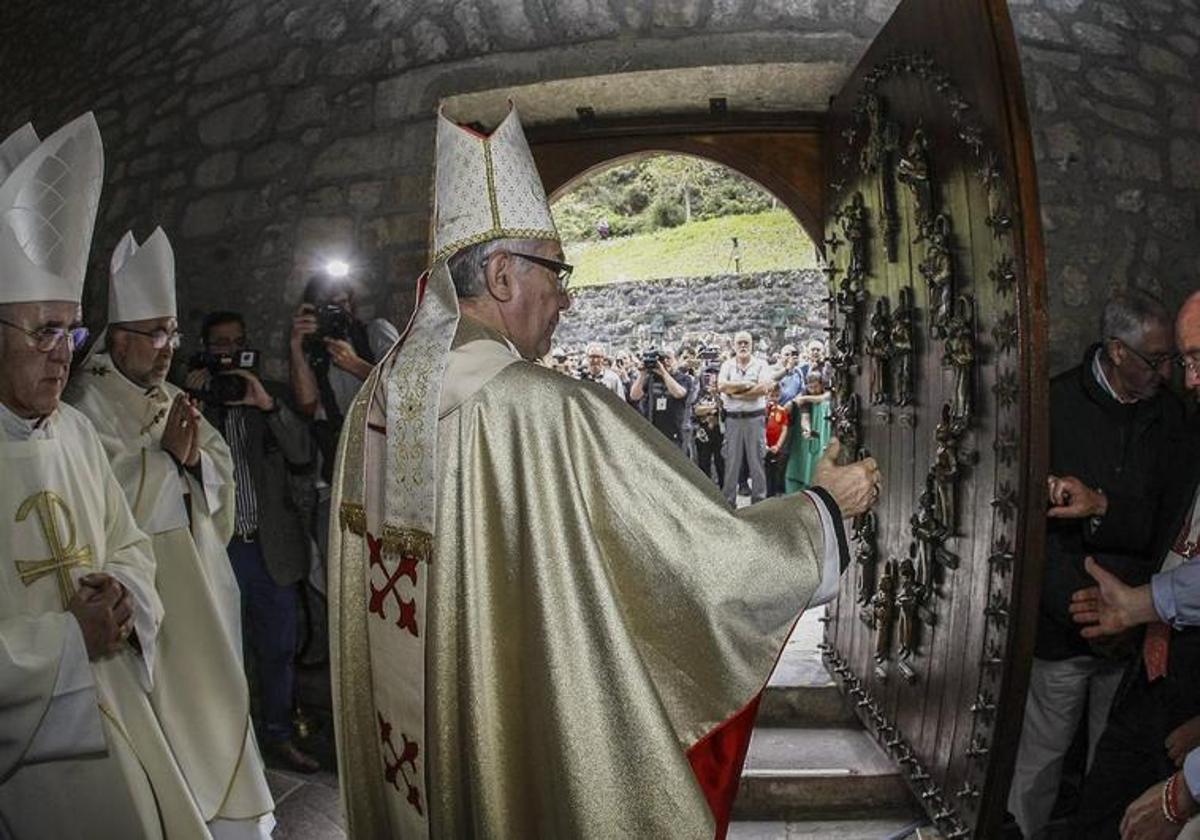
[806, 451]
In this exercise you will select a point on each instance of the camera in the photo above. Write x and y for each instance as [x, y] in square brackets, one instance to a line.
[710, 355]
[333, 321]
[650, 359]
[223, 389]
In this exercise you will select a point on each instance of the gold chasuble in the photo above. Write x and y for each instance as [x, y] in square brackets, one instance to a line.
[545, 621]
[200, 692]
[593, 612]
[62, 516]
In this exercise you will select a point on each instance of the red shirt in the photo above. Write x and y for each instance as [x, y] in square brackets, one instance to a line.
[778, 419]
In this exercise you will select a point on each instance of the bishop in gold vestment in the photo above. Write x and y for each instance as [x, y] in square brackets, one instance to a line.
[546, 621]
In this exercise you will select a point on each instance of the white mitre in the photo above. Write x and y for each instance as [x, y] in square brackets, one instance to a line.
[49, 193]
[487, 187]
[141, 282]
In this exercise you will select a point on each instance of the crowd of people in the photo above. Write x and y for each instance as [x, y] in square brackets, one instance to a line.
[166, 510]
[755, 423]
[158, 528]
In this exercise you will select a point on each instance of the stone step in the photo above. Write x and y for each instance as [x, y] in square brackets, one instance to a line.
[801, 693]
[816, 705]
[899, 828]
[819, 773]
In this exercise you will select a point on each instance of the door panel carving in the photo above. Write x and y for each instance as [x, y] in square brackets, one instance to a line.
[936, 287]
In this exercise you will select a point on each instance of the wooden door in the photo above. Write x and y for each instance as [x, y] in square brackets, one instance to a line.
[937, 299]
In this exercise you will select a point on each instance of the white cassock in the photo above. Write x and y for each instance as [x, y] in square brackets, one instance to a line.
[82, 754]
[200, 691]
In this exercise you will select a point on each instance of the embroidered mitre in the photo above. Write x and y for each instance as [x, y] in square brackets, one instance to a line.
[487, 187]
[142, 279]
[49, 193]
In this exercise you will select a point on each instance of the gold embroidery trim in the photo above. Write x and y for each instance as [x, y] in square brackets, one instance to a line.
[408, 541]
[354, 518]
[120, 729]
[64, 553]
[491, 183]
[495, 233]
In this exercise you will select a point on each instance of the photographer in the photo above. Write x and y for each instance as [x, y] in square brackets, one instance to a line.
[272, 460]
[596, 370]
[662, 396]
[331, 353]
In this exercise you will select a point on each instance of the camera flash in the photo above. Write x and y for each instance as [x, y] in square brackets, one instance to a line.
[337, 268]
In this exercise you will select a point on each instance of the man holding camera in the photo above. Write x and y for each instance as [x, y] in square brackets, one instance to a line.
[331, 352]
[744, 382]
[662, 399]
[272, 460]
[177, 474]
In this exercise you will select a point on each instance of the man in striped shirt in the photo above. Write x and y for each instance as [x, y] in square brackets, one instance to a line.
[273, 455]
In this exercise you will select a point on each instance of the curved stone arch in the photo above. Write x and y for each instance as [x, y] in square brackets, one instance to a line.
[803, 196]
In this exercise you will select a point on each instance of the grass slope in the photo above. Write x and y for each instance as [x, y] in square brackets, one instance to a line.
[767, 242]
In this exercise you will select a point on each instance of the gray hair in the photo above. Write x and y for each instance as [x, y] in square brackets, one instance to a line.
[467, 265]
[1129, 313]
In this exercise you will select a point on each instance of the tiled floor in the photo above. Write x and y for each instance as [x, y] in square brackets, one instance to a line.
[306, 807]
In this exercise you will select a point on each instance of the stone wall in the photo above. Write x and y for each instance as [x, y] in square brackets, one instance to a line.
[1114, 97]
[269, 135]
[772, 305]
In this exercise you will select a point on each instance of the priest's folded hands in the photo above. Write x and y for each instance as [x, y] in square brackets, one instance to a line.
[180, 435]
[104, 610]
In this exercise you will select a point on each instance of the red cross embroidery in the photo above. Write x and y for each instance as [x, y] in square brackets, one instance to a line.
[407, 567]
[393, 769]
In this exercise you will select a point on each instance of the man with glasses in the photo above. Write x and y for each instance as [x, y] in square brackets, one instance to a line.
[555, 592]
[1145, 781]
[272, 464]
[82, 753]
[744, 382]
[1113, 428]
[177, 474]
[601, 373]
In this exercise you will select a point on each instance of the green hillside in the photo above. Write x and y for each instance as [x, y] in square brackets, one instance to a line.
[767, 241]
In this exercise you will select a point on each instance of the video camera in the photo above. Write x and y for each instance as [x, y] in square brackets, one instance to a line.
[223, 388]
[651, 358]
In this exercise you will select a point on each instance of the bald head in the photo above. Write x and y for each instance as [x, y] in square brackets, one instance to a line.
[1187, 324]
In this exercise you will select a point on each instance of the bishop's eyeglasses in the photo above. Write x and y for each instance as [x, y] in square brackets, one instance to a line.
[1190, 362]
[562, 271]
[46, 338]
[159, 338]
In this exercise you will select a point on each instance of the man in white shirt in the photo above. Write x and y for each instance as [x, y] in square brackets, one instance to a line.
[598, 373]
[744, 382]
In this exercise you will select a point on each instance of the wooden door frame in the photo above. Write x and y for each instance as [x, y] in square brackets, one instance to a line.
[784, 153]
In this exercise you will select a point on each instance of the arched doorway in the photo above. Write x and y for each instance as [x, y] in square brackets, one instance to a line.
[919, 182]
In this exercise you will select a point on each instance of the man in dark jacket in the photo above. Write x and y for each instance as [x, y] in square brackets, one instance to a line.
[1111, 426]
[273, 457]
[1155, 719]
